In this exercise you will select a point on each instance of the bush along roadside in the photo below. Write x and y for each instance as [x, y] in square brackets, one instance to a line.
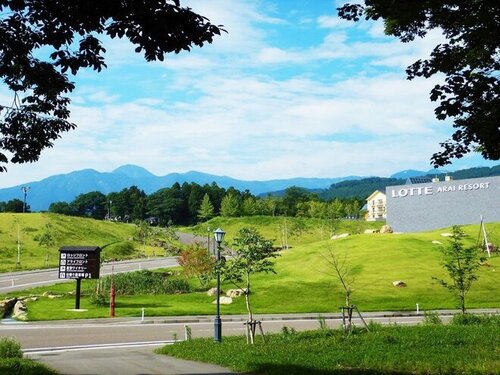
[143, 282]
[13, 363]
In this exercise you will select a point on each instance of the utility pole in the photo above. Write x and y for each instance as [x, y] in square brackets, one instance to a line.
[25, 190]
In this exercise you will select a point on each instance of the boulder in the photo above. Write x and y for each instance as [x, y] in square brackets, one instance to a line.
[233, 293]
[491, 246]
[446, 234]
[213, 292]
[399, 284]
[343, 235]
[20, 311]
[224, 301]
[386, 229]
[437, 242]
[6, 306]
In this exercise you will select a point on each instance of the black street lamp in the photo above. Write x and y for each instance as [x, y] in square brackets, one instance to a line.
[219, 236]
[25, 190]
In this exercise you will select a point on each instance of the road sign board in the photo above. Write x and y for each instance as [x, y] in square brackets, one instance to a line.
[79, 262]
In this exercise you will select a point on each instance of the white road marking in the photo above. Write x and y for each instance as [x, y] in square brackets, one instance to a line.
[96, 346]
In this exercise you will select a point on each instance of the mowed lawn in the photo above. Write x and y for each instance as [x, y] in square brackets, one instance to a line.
[305, 283]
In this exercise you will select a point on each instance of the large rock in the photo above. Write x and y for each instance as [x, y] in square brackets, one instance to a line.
[491, 247]
[20, 311]
[213, 292]
[386, 229]
[343, 235]
[6, 306]
[224, 301]
[233, 293]
[399, 284]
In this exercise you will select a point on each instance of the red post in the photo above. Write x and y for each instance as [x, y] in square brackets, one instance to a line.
[112, 302]
[112, 293]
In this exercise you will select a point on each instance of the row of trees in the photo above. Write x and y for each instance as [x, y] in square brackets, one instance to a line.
[190, 203]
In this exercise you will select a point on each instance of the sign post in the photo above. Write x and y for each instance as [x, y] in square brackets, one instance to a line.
[79, 262]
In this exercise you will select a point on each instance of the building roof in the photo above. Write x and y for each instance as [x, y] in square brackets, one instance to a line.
[418, 180]
[374, 194]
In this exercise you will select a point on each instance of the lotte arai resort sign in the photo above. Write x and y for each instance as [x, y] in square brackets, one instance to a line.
[442, 204]
[430, 190]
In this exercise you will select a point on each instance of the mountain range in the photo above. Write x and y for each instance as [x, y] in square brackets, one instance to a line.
[65, 187]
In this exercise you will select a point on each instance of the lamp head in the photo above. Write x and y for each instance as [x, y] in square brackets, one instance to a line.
[219, 235]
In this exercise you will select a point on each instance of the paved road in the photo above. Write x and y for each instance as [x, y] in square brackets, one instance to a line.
[13, 281]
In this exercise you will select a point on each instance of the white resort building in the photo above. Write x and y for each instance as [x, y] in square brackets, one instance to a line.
[376, 206]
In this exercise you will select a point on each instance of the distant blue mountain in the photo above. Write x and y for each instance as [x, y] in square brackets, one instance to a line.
[65, 187]
[414, 173]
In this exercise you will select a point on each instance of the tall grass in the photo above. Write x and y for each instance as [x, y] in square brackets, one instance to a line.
[434, 349]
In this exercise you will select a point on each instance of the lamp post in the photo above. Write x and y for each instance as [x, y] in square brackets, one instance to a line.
[25, 190]
[219, 236]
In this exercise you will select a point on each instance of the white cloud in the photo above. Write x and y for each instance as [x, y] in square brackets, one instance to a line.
[251, 108]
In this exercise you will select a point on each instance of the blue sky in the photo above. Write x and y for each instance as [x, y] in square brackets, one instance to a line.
[291, 90]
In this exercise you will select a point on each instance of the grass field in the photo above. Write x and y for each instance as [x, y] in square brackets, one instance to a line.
[66, 231]
[304, 283]
[428, 349]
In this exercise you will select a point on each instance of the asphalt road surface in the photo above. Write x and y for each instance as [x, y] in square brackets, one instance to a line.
[13, 281]
[125, 346]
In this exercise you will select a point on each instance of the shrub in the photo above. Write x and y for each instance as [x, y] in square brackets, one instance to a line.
[143, 282]
[431, 317]
[10, 348]
[98, 299]
[471, 319]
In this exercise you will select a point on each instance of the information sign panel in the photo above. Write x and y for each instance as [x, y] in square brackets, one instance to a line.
[79, 262]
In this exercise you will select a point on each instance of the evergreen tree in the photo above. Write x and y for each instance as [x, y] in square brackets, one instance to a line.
[206, 210]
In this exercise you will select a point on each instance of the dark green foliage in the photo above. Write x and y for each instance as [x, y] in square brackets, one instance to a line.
[16, 366]
[144, 282]
[359, 188]
[474, 319]
[98, 299]
[91, 204]
[14, 205]
[9, 348]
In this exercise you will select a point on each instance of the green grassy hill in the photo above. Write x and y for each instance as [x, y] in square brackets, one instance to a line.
[65, 231]
[303, 282]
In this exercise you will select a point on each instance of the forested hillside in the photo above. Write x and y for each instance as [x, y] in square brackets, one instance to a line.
[364, 187]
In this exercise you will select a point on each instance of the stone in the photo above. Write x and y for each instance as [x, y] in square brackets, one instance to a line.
[386, 229]
[6, 306]
[343, 235]
[20, 311]
[213, 292]
[236, 292]
[224, 301]
[446, 234]
[437, 242]
[491, 246]
[399, 284]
